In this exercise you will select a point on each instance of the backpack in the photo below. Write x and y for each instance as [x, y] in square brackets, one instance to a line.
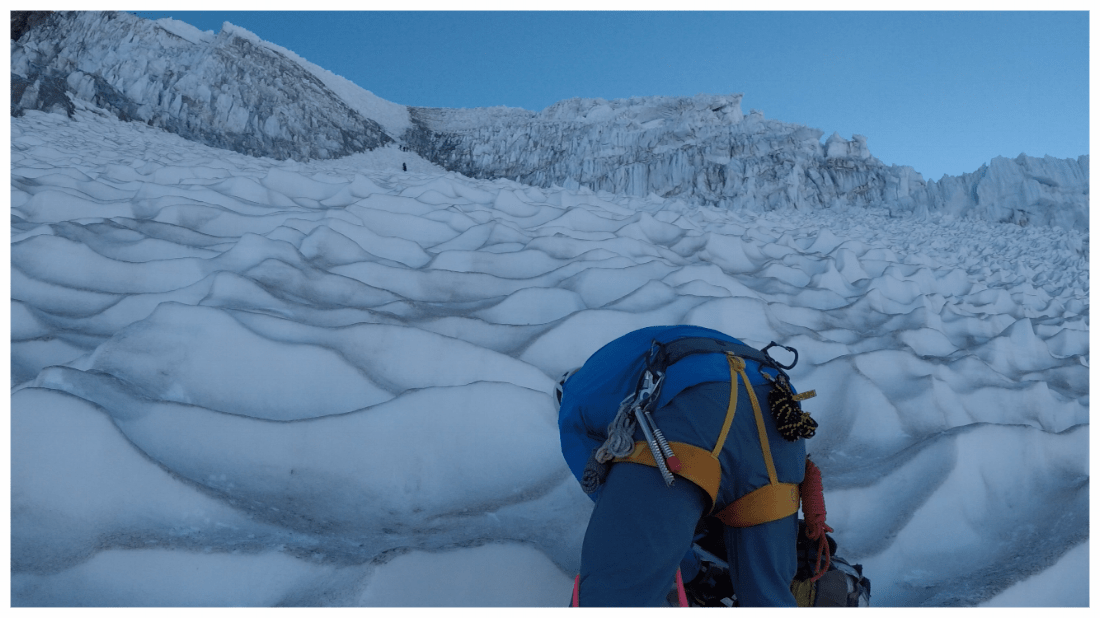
[842, 585]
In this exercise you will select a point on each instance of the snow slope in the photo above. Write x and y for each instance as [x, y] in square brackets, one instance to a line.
[240, 381]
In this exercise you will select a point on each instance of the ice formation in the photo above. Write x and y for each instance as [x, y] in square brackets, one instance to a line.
[229, 90]
[233, 90]
[244, 381]
[339, 374]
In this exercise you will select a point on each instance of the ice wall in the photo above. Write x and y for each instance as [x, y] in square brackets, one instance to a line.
[702, 149]
[228, 90]
[1025, 190]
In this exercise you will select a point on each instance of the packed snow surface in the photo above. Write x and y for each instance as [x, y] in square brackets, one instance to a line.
[240, 381]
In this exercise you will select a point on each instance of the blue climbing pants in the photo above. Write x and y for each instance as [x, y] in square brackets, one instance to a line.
[636, 537]
[641, 530]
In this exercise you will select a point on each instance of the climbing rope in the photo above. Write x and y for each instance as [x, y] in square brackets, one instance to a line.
[791, 421]
[620, 433]
[619, 443]
[813, 507]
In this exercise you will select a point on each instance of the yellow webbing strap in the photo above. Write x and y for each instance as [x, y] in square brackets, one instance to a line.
[771, 502]
[696, 464]
[737, 365]
[760, 429]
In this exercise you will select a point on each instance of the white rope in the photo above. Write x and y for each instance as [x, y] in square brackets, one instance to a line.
[620, 433]
[619, 443]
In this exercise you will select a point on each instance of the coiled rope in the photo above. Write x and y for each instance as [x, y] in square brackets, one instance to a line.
[620, 433]
[790, 420]
[813, 507]
[619, 443]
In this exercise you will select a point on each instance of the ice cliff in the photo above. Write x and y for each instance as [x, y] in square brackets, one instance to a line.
[229, 90]
[232, 90]
[705, 150]
[701, 149]
[1025, 190]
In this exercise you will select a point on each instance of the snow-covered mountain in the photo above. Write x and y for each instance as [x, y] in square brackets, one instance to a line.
[703, 149]
[229, 90]
[232, 90]
[247, 381]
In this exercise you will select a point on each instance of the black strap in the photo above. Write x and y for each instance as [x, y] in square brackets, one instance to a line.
[664, 355]
[668, 354]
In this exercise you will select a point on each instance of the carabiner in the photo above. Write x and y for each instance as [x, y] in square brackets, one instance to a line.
[777, 363]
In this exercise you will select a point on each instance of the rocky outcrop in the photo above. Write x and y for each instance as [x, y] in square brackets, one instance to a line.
[227, 90]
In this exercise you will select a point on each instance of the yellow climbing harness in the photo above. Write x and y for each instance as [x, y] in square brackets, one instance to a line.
[769, 503]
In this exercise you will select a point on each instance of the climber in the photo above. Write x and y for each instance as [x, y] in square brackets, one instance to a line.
[672, 384]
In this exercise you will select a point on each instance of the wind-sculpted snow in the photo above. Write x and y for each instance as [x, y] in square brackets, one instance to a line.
[249, 382]
[229, 90]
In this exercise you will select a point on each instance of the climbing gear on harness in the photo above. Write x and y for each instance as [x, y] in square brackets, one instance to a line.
[654, 448]
[620, 434]
[768, 503]
[666, 460]
[670, 457]
[773, 344]
[699, 465]
[790, 420]
[594, 474]
[635, 411]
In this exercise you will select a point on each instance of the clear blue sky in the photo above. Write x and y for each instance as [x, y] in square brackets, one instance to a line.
[944, 92]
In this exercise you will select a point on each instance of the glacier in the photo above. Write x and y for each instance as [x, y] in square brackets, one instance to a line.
[291, 380]
[233, 90]
[229, 91]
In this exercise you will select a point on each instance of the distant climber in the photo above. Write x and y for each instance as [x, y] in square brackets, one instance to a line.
[651, 429]
[404, 168]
